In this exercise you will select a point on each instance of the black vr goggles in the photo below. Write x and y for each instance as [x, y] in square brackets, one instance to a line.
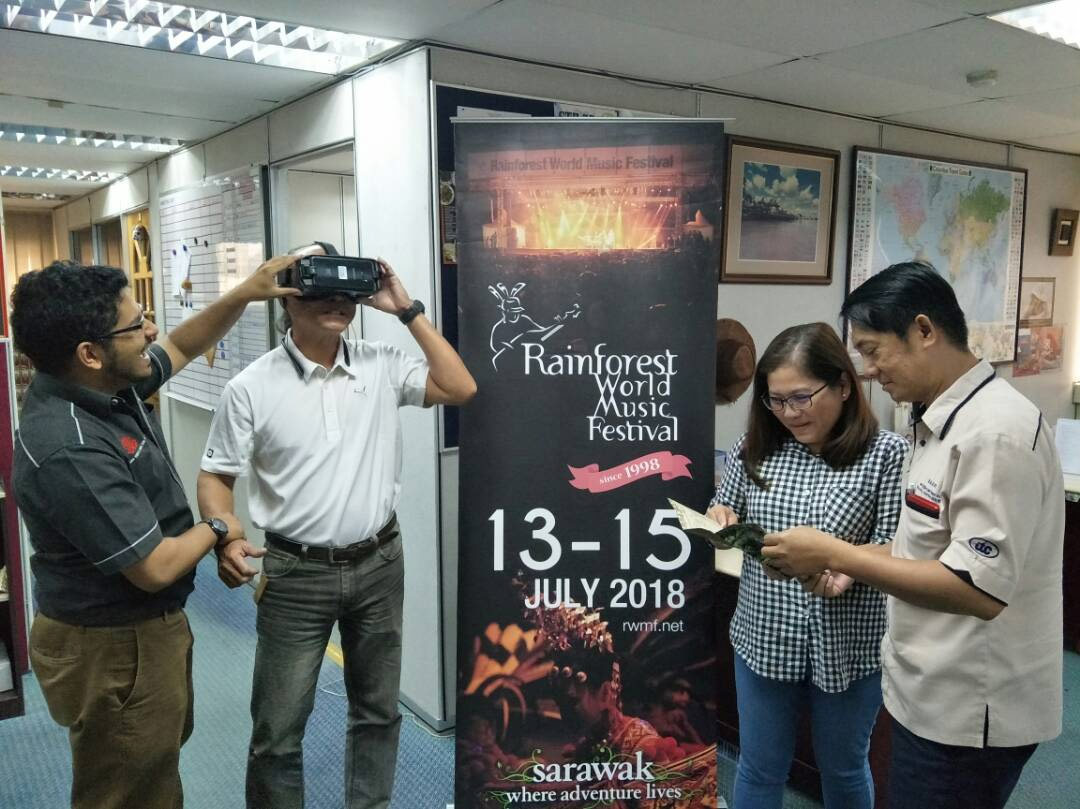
[333, 274]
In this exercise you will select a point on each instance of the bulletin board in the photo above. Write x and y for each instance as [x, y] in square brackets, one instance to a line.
[213, 236]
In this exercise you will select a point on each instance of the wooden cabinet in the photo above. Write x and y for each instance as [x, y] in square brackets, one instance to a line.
[12, 631]
[12, 601]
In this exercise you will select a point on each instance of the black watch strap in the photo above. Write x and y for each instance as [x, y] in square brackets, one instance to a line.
[415, 308]
[218, 526]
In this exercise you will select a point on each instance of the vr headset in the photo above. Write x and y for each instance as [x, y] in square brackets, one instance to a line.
[333, 274]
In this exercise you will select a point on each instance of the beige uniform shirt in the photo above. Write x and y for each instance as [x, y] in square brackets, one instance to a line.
[984, 495]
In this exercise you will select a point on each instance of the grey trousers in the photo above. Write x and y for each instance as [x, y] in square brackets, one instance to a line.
[296, 613]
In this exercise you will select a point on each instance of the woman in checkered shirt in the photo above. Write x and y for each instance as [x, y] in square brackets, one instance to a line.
[812, 455]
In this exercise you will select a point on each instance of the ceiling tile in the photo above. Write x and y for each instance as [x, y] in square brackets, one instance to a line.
[408, 19]
[979, 6]
[121, 77]
[539, 30]
[779, 26]
[995, 119]
[37, 112]
[942, 57]
[48, 186]
[810, 83]
[117, 161]
[33, 204]
[1063, 102]
[1069, 142]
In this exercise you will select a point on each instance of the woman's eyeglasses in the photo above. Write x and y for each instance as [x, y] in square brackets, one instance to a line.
[136, 326]
[796, 401]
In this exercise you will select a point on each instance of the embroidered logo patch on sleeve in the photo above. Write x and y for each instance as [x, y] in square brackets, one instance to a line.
[984, 547]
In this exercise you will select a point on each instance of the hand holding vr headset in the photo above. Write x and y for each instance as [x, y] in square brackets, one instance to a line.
[320, 272]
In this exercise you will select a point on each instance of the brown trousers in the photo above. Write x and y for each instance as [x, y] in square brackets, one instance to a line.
[125, 695]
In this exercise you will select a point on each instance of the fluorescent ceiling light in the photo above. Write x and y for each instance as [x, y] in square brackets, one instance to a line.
[183, 29]
[31, 195]
[76, 175]
[1058, 20]
[76, 137]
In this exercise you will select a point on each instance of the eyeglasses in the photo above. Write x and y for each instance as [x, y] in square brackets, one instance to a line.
[797, 401]
[136, 326]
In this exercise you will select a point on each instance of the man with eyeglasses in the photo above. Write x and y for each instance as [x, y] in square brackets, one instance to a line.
[115, 543]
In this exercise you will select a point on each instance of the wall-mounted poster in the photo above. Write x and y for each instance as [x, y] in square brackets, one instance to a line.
[778, 224]
[587, 262]
[1049, 339]
[1038, 349]
[1036, 301]
[1027, 354]
[967, 219]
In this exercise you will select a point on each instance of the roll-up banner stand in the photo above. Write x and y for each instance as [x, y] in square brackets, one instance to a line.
[588, 257]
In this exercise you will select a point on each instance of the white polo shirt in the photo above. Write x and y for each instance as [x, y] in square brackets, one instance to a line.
[323, 446]
[984, 495]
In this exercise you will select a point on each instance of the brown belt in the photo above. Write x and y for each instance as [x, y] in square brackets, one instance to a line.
[341, 556]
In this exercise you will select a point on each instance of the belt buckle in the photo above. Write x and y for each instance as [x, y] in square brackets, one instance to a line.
[351, 552]
[331, 557]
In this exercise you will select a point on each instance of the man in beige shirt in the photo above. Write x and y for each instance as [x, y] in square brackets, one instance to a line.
[972, 661]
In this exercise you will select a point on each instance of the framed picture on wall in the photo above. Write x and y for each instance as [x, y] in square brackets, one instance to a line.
[1063, 232]
[1036, 301]
[966, 219]
[780, 208]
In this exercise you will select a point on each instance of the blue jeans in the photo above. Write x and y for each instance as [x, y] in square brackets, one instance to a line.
[296, 613]
[930, 775]
[841, 725]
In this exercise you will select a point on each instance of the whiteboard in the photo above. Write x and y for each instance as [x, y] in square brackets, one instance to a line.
[214, 235]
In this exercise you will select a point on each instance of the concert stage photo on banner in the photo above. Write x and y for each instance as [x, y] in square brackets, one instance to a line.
[588, 255]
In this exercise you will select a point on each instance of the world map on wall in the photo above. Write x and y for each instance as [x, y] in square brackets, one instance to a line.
[964, 219]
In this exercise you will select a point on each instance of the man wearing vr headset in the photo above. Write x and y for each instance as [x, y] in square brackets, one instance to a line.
[315, 423]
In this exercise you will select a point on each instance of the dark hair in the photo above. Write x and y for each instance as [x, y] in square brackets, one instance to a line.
[56, 308]
[285, 278]
[284, 321]
[890, 301]
[816, 350]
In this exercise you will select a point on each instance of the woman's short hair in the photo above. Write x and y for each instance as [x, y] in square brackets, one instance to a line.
[816, 351]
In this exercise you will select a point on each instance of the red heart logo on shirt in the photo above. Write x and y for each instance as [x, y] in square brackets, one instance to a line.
[129, 444]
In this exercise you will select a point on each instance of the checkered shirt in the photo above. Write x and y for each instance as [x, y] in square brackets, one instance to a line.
[779, 628]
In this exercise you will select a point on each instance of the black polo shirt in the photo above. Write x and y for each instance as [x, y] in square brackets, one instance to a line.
[98, 492]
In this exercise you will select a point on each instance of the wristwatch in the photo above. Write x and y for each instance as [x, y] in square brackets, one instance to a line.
[414, 309]
[218, 526]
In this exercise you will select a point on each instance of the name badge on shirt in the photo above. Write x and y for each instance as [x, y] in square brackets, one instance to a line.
[924, 499]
